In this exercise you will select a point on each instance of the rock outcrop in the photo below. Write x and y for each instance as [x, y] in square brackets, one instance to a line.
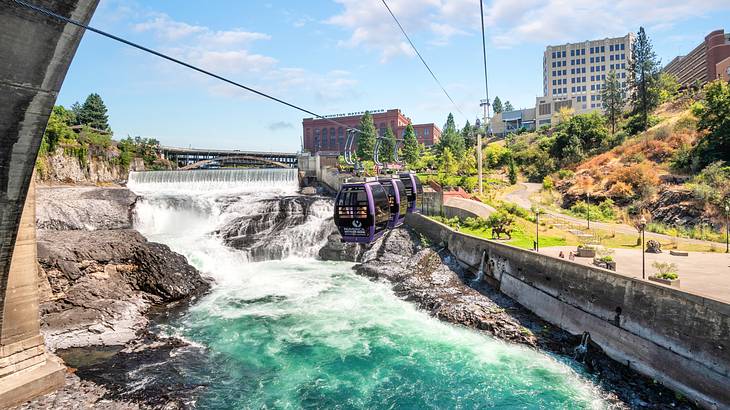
[280, 227]
[435, 282]
[336, 250]
[97, 285]
[59, 167]
[84, 208]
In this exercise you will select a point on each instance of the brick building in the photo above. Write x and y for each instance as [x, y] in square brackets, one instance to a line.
[321, 135]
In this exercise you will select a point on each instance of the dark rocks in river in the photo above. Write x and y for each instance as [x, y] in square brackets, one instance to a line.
[97, 285]
[435, 283]
[336, 250]
[280, 227]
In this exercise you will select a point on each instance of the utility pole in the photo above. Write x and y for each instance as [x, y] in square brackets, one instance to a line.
[479, 162]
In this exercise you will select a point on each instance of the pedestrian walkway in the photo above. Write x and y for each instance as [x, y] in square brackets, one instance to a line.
[701, 273]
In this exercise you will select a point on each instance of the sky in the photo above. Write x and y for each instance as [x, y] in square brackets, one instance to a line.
[338, 56]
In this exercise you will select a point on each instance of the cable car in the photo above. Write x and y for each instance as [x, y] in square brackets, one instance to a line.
[362, 211]
[397, 199]
[414, 191]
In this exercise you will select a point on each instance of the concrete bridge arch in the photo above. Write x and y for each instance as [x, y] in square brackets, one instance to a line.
[36, 52]
[256, 160]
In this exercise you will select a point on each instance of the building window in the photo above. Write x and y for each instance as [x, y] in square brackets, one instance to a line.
[611, 57]
[572, 53]
[583, 70]
[610, 48]
[591, 50]
[623, 75]
[565, 72]
[603, 49]
[565, 90]
[324, 134]
[603, 77]
[623, 46]
[563, 53]
[572, 90]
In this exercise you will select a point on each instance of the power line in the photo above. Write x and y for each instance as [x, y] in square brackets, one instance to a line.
[422, 60]
[180, 62]
[484, 52]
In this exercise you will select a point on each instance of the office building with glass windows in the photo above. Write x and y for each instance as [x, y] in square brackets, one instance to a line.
[576, 72]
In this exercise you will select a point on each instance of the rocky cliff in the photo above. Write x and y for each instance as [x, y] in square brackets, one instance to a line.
[61, 168]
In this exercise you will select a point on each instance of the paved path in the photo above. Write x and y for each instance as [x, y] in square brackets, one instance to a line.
[700, 273]
[475, 207]
[522, 197]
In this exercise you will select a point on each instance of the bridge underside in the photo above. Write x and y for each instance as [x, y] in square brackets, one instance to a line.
[36, 52]
[237, 162]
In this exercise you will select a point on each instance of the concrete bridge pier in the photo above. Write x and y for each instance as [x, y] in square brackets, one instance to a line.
[35, 53]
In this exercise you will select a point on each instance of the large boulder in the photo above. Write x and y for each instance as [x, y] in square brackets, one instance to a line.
[95, 286]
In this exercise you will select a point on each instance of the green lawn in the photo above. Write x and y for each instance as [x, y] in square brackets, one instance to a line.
[521, 237]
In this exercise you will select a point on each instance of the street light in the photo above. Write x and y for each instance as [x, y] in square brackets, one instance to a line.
[537, 229]
[588, 210]
[642, 228]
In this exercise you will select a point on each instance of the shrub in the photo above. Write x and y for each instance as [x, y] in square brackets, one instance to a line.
[666, 270]
[547, 183]
[621, 190]
[642, 178]
[565, 174]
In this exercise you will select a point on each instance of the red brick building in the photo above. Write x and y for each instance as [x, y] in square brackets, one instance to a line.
[324, 136]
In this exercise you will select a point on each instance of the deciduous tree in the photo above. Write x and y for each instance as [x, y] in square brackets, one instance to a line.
[508, 106]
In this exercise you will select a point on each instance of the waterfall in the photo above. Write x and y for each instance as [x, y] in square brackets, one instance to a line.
[214, 180]
[255, 212]
[480, 274]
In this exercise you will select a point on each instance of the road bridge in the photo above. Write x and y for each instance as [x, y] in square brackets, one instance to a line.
[192, 158]
[36, 53]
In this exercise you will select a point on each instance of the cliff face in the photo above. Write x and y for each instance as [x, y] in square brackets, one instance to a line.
[61, 168]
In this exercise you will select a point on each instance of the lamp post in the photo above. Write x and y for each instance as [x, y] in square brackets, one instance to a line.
[537, 229]
[642, 228]
[479, 156]
[588, 210]
[727, 228]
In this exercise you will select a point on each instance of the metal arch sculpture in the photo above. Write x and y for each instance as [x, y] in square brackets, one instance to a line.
[202, 163]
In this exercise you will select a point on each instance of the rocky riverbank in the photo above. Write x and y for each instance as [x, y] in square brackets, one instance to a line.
[98, 281]
[431, 278]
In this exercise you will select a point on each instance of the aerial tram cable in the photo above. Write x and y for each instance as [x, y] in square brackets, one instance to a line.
[180, 62]
[363, 210]
[422, 60]
[486, 78]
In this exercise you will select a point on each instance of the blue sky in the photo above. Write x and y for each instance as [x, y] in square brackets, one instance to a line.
[334, 56]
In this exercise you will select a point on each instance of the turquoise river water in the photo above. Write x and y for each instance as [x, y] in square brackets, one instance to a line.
[303, 333]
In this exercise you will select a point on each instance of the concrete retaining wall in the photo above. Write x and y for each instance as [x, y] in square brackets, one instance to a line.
[677, 338]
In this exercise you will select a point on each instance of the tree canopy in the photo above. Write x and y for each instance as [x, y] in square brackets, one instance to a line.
[497, 105]
[366, 139]
[508, 106]
[714, 117]
[644, 73]
[612, 95]
[92, 113]
[386, 151]
[411, 149]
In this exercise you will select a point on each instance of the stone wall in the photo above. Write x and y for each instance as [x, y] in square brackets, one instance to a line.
[672, 336]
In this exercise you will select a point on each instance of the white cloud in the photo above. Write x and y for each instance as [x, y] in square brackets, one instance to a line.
[508, 22]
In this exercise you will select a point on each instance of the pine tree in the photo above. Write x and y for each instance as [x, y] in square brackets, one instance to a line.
[508, 106]
[497, 105]
[612, 95]
[469, 135]
[449, 164]
[411, 149]
[366, 139]
[450, 124]
[452, 139]
[386, 152]
[644, 71]
[93, 113]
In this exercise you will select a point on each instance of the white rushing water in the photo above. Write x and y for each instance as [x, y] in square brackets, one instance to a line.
[303, 333]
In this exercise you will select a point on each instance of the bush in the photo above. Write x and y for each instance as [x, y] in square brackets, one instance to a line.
[605, 211]
[635, 124]
[547, 183]
[666, 270]
[565, 174]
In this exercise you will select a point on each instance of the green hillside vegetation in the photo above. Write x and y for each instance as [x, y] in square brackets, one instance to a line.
[83, 132]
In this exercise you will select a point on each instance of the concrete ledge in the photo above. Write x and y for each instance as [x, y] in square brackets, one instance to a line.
[37, 381]
[670, 335]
